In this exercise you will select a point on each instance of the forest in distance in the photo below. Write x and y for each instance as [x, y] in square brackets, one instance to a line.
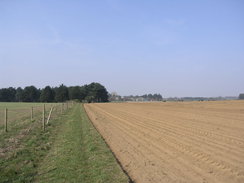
[93, 92]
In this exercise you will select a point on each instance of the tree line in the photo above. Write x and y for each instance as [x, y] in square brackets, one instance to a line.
[154, 97]
[94, 92]
[147, 97]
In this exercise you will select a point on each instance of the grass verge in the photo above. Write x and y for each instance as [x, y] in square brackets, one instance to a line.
[79, 154]
[24, 147]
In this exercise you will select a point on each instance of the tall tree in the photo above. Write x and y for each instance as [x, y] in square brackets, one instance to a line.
[61, 93]
[96, 93]
[7, 94]
[30, 94]
[83, 92]
[157, 97]
[47, 94]
[19, 94]
[75, 93]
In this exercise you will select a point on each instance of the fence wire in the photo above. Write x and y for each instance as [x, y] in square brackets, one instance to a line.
[20, 113]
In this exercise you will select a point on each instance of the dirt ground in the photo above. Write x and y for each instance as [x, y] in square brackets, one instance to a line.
[175, 141]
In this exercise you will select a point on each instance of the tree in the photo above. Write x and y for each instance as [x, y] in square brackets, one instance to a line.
[157, 97]
[61, 93]
[75, 93]
[12, 92]
[30, 94]
[47, 94]
[96, 93]
[145, 96]
[19, 94]
[241, 96]
[83, 92]
[7, 94]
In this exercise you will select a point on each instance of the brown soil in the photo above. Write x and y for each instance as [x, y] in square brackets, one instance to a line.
[175, 141]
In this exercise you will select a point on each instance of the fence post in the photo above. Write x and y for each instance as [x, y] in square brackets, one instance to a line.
[62, 108]
[6, 120]
[31, 113]
[43, 118]
[49, 115]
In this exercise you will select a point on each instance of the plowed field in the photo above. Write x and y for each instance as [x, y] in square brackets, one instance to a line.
[175, 141]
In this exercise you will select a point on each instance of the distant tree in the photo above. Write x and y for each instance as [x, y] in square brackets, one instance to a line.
[75, 93]
[241, 96]
[61, 93]
[7, 94]
[96, 93]
[154, 97]
[12, 92]
[47, 94]
[150, 96]
[83, 92]
[30, 94]
[157, 97]
[3, 95]
[19, 94]
[145, 96]
[101, 93]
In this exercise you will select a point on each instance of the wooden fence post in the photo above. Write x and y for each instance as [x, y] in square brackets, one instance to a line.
[6, 120]
[43, 118]
[31, 113]
[49, 115]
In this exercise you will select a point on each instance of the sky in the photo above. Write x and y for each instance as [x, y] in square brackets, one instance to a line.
[132, 47]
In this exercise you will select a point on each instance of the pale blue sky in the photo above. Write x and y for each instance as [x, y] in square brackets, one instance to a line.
[174, 47]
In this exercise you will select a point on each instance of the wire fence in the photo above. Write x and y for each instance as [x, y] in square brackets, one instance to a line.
[15, 115]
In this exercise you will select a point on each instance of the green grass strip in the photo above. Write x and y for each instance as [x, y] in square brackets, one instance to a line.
[22, 162]
[79, 154]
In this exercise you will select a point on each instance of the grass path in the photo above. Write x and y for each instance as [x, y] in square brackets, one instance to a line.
[79, 154]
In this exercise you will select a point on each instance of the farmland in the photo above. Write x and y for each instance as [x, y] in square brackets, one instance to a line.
[18, 113]
[175, 141]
